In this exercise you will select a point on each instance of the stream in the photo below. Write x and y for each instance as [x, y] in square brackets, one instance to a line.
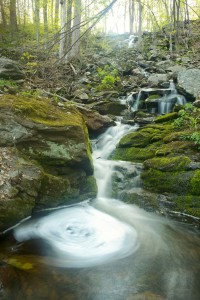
[101, 249]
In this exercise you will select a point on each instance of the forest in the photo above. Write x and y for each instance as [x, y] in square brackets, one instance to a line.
[63, 25]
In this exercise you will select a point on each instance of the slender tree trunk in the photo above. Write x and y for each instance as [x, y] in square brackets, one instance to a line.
[131, 15]
[36, 6]
[124, 21]
[140, 20]
[69, 26]
[3, 15]
[13, 16]
[56, 13]
[63, 29]
[75, 51]
[45, 18]
[188, 18]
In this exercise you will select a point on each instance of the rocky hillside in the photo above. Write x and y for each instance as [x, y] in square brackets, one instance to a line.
[47, 109]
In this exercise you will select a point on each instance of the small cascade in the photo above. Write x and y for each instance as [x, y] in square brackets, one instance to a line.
[133, 101]
[162, 105]
[102, 148]
[167, 102]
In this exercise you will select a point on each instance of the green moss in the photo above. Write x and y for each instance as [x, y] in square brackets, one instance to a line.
[168, 164]
[42, 111]
[173, 148]
[189, 204]
[166, 117]
[195, 183]
[176, 182]
[172, 136]
[135, 139]
[133, 154]
[152, 97]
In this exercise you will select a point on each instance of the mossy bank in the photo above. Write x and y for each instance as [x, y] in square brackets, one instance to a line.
[171, 162]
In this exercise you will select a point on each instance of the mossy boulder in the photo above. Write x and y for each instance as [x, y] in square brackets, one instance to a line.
[168, 164]
[52, 141]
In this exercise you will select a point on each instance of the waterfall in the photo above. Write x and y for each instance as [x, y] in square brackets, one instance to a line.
[102, 148]
[167, 102]
[163, 105]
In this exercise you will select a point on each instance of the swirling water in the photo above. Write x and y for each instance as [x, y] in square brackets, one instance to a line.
[103, 248]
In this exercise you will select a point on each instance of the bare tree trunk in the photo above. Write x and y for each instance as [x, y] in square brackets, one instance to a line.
[13, 16]
[45, 16]
[188, 18]
[36, 9]
[75, 48]
[140, 20]
[131, 15]
[69, 26]
[3, 15]
[56, 13]
[63, 29]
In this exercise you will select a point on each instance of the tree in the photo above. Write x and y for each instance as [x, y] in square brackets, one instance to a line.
[131, 15]
[13, 16]
[3, 15]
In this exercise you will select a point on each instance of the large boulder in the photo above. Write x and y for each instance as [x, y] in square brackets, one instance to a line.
[188, 82]
[10, 69]
[52, 155]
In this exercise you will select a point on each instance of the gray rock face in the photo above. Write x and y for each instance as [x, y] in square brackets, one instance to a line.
[157, 79]
[9, 69]
[188, 81]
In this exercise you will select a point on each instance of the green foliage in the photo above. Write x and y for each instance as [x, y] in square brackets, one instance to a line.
[195, 137]
[5, 82]
[108, 78]
[188, 117]
[31, 65]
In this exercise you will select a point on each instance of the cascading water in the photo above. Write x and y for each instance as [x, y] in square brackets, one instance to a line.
[167, 102]
[107, 249]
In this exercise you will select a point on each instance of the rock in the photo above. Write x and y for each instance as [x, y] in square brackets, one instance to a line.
[156, 79]
[175, 70]
[20, 184]
[81, 94]
[164, 64]
[50, 150]
[114, 108]
[95, 122]
[197, 103]
[10, 69]
[188, 82]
